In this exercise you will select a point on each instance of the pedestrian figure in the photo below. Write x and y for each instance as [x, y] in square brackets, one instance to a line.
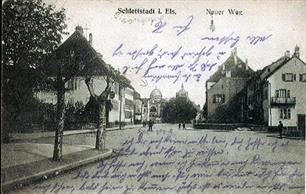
[183, 125]
[280, 129]
[179, 125]
[150, 125]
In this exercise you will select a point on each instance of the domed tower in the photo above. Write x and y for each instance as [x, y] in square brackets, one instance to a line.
[153, 106]
[156, 96]
[182, 92]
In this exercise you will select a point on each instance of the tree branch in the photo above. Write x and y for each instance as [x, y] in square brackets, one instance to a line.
[89, 83]
[104, 95]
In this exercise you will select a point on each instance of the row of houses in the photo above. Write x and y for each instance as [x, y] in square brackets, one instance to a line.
[127, 106]
[235, 93]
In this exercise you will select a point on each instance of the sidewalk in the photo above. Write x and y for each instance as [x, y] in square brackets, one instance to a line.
[36, 135]
[24, 163]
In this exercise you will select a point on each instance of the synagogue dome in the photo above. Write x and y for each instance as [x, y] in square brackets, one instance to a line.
[156, 95]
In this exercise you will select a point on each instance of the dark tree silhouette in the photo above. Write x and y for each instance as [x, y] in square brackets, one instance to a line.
[179, 109]
[31, 31]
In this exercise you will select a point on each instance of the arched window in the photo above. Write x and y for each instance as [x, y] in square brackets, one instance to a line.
[153, 109]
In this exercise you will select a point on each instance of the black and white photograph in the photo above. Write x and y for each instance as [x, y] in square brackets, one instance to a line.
[153, 97]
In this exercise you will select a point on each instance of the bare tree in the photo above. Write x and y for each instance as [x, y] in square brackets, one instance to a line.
[76, 57]
[100, 101]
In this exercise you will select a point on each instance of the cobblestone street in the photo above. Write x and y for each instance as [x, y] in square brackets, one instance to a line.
[172, 160]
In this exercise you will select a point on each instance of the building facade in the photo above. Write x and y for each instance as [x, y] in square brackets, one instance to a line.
[153, 106]
[137, 108]
[224, 85]
[275, 93]
[284, 91]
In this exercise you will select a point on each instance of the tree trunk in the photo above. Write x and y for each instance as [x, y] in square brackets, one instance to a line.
[101, 125]
[120, 106]
[58, 143]
[101, 120]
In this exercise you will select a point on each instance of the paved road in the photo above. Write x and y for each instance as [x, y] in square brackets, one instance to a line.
[172, 160]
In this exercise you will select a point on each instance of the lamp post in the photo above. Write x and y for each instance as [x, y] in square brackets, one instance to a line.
[212, 26]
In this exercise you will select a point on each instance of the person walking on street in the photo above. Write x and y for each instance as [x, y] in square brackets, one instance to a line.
[280, 129]
[150, 125]
[179, 125]
[183, 125]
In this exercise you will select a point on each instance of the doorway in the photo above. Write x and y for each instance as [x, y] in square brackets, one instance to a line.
[301, 124]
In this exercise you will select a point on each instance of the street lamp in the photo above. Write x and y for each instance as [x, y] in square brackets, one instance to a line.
[212, 26]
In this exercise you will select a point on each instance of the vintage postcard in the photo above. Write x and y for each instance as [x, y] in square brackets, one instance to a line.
[149, 97]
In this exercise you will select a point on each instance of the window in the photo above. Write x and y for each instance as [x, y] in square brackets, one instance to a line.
[75, 84]
[283, 93]
[289, 77]
[303, 77]
[72, 84]
[127, 114]
[219, 98]
[285, 113]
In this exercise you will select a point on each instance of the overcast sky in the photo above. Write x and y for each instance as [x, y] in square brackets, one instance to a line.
[284, 20]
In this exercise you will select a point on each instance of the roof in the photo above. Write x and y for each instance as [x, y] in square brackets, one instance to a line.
[237, 70]
[84, 60]
[156, 93]
[137, 95]
[271, 69]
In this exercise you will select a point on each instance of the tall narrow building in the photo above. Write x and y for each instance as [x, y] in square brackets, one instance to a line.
[221, 88]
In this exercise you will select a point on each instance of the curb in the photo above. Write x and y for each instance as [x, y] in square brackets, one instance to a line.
[20, 182]
[76, 132]
[124, 128]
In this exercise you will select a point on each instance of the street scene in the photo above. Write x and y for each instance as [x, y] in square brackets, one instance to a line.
[137, 97]
[213, 162]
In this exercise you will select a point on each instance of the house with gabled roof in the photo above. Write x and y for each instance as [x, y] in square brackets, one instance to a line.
[284, 91]
[229, 79]
[122, 105]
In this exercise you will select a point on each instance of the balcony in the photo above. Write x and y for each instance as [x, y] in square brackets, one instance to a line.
[283, 101]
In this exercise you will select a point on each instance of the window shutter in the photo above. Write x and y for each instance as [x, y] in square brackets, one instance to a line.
[294, 77]
[301, 77]
[214, 99]
[283, 76]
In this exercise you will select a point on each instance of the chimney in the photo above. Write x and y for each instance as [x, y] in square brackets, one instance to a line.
[79, 29]
[234, 53]
[246, 65]
[297, 51]
[90, 38]
[287, 54]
